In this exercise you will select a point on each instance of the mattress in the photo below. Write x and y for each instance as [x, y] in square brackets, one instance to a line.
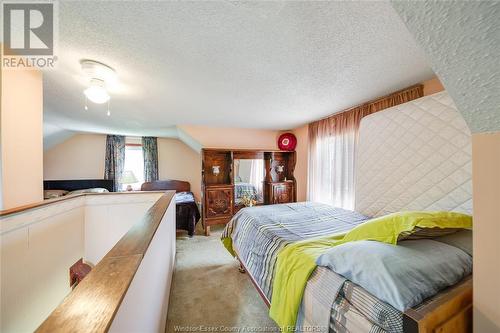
[414, 156]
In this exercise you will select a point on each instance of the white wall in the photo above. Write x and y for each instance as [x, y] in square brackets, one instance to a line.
[178, 161]
[302, 134]
[37, 249]
[145, 309]
[231, 137]
[109, 217]
[486, 197]
[21, 137]
[79, 157]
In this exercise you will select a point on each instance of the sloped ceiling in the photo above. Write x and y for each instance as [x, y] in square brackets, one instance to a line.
[54, 135]
[462, 42]
[270, 65]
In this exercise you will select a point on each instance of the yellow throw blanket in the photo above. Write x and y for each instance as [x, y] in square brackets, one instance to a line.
[297, 261]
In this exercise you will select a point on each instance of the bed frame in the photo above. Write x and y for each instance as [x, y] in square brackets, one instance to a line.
[164, 185]
[182, 223]
[449, 312]
[78, 184]
[243, 269]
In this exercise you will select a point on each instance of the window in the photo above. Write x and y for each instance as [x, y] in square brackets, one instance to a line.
[331, 167]
[134, 162]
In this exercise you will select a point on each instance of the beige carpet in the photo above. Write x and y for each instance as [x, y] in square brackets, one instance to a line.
[208, 292]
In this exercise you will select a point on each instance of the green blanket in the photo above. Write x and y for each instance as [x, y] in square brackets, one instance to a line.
[297, 261]
[228, 244]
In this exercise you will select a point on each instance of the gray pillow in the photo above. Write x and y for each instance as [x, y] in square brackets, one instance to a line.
[461, 239]
[402, 275]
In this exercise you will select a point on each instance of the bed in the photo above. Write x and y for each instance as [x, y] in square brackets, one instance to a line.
[57, 188]
[259, 233]
[415, 156]
[187, 212]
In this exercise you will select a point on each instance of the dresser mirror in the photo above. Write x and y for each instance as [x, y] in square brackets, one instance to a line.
[234, 178]
[248, 181]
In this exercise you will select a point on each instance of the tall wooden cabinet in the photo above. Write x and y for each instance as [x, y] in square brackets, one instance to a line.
[218, 186]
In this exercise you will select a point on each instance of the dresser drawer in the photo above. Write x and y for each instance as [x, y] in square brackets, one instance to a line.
[218, 202]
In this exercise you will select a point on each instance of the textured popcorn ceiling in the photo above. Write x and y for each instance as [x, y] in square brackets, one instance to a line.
[462, 42]
[271, 65]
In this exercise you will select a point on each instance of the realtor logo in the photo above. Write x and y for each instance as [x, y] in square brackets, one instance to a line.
[28, 34]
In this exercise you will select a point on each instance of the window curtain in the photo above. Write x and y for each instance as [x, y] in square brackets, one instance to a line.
[332, 149]
[257, 177]
[115, 159]
[150, 153]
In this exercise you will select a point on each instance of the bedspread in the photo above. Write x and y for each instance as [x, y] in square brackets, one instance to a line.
[331, 300]
[263, 231]
[186, 211]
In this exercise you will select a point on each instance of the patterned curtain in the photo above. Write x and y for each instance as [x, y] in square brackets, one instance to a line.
[332, 149]
[150, 153]
[115, 159]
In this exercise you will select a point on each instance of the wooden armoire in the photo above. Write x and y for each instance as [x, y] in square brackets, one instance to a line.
[218, 186]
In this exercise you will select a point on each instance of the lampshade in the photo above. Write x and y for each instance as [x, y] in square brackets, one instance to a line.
[128, 177]
[97, 93]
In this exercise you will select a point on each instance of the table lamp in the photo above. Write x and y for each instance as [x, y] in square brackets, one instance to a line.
[128, 178]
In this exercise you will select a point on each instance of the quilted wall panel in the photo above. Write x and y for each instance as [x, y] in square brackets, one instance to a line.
[414, 156]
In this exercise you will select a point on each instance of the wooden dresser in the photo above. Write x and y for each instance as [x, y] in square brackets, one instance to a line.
[218, 185]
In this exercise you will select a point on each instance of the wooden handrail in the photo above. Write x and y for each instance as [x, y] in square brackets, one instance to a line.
[92, 306]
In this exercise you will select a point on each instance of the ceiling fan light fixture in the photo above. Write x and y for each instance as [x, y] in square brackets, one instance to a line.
[97, 92]
[98, 70]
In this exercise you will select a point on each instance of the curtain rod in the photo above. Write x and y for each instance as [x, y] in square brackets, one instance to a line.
[373, 101]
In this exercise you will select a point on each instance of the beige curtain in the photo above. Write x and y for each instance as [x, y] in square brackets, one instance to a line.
[332, 149]
[257, 177]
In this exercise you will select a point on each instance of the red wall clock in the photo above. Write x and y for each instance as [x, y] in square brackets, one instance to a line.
[287, 141]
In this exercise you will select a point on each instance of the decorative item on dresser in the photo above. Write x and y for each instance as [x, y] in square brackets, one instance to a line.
[231, 177]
